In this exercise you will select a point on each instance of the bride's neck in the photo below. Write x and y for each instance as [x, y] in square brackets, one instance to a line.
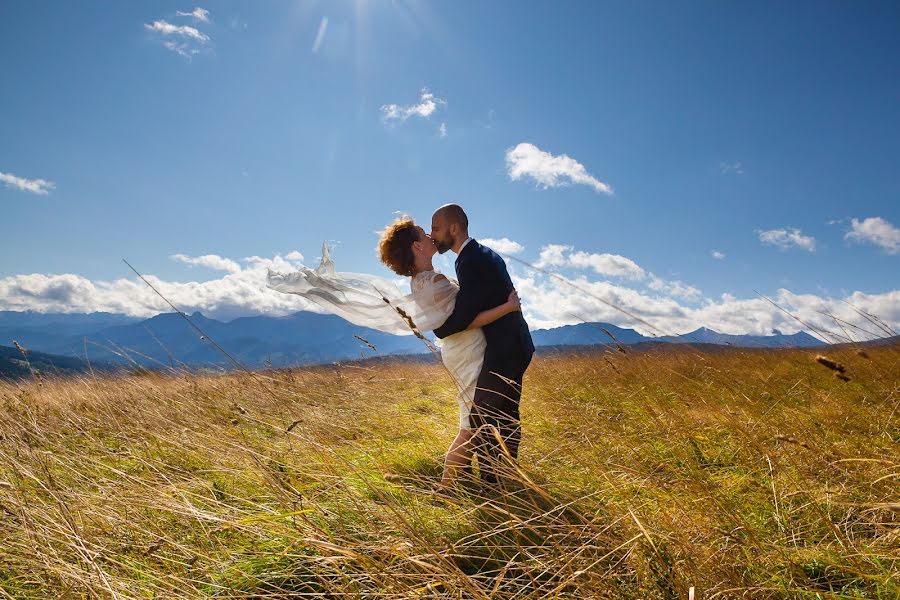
[421, 268]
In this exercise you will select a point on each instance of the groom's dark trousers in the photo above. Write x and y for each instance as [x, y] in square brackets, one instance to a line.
[484, 283]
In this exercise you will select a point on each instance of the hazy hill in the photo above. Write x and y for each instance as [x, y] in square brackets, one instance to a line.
[801, 339]
[48, 332]
[14, 366]
[587, 333]
[300, 338]
[167, 339]
[605, 333]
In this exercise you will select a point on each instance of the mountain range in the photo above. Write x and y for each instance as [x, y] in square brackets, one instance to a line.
[300, 338]
[605, 333]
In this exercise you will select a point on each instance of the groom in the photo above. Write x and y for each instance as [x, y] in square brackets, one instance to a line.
[483, 284]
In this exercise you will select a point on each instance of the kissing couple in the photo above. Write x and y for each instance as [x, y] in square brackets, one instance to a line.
[485, 343]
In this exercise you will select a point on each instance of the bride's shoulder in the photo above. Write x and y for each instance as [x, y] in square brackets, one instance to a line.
[425, 278]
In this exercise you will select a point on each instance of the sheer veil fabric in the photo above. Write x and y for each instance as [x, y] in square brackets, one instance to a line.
[367, 300]
[370, 301]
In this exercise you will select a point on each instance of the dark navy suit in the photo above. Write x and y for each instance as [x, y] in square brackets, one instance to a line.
[484, 283]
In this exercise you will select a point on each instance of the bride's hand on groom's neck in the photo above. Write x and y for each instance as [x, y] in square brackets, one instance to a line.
[512, 302]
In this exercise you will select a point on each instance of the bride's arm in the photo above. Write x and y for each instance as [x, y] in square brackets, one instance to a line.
[486, 317]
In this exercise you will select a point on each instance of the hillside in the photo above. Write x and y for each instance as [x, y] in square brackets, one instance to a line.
[302, 338]
[14, 366]
[740, 474]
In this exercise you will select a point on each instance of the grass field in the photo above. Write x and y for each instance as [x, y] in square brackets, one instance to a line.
[741, 474]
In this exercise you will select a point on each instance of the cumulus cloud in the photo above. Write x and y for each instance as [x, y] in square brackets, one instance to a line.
[787, 238]
[428, 104]
[676, 288]
[40, 187]
[877, 231]
[235, 294]
[210, 261]
[320, 35]
[717, 255]
[612, 265]
[553, 255]
[198, 14]
[527, 160]
[653, 305]
[549, 302]
[503, 245]
[659, 309]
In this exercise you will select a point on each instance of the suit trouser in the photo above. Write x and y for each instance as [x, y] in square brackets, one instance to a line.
[496, 408]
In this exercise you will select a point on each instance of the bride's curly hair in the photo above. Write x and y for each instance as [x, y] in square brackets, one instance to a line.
[395, 246]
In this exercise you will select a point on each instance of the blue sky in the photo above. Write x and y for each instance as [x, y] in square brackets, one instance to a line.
[759, 131]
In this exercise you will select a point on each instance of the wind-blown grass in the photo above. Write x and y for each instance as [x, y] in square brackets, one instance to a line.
[752, 474]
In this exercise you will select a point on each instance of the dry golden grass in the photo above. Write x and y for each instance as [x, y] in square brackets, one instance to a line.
[745, 474]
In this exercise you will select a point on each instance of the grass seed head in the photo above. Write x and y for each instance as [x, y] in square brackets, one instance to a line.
[827, 362]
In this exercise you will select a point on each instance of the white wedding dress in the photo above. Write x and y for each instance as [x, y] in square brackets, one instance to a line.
[378, 303]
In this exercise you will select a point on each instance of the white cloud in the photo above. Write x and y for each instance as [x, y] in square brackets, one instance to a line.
[166, 28]
[787, 238]
[731, 168]
[553, 255]
[181, 39]
[40, 187]
[199, 14]
[182, 48]
[549, 302]
[210, 261]
[527, 160]
[428, 104]
[612, 265]
[675, 288]
[294, 256]
[235, 294]
[503, 245]
[442, 130]
[320, 35]
[717, 255]
[877, 231]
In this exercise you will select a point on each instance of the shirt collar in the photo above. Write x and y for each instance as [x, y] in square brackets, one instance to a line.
[468, 239]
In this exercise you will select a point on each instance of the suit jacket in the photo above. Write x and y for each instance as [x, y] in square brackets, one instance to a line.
[483, 284]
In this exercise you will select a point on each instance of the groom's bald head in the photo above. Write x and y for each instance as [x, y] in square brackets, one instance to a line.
[449, 227]
[453, 214]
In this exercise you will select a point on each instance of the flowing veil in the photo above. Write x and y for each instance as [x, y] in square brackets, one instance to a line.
[367, 300]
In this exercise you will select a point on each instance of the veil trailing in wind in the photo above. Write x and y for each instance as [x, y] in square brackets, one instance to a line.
[367, 300]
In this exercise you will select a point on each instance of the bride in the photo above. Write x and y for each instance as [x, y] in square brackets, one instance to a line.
[377, 303]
